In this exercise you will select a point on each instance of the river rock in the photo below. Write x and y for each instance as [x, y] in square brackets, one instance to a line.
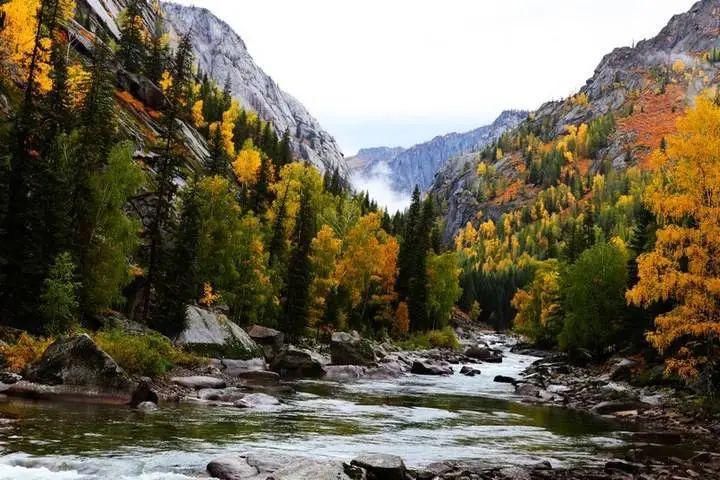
[9, 378]
[610, 407]
[504, 379]
[350, 349]
[78, 361]
[469, 371]
[381, 466]
[199, 382]
[235, 367]
[211, 333]
[298, 363]
[484, 354]
[256, 400]
[312, 470]
[420, 367]
[269, 339]
[225, 395]
[231, 468]
[622, 370]
[528, 390]
[147, 407]
[259, 377]
[143, 393]
[341, 373]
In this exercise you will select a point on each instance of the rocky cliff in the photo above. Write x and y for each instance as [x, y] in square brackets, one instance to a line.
[646, 87]
[406, 168]
[222, 54]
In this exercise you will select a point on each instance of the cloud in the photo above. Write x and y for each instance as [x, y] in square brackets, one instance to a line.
[377, 183]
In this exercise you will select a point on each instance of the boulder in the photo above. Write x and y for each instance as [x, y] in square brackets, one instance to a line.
[212, 334]
[78, 361]
[484, 354]
[147, 407]
[504, 379]
[381, 466]
[426, 368]
[259, 377]
[342, 373]
[269, 339]
[528, 390]
[199, 382]
[622, 370]
[224, 395]
[234, 367]
[256, 400]
[312, 470]
[231, 468]
[295, 362]
[469, 371]
[143, 393]
[9, 378]
[141, 88]
[350, 349]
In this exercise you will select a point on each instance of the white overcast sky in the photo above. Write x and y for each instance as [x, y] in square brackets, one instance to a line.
[399, 72]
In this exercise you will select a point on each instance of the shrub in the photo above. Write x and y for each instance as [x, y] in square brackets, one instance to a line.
[148, 354]
[444, 338]
[25, 351]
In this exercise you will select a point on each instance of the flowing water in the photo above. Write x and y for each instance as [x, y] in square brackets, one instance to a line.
[422, 419]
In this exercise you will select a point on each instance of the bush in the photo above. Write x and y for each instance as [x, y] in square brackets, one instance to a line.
[444, 338]
[148, 354]
[25, 351]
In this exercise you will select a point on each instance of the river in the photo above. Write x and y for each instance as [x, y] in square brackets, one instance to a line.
[422, 419]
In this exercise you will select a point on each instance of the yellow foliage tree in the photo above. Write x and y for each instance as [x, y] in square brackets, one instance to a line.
[325, 250]
[401, 325]
[247, 164]
[683, 267]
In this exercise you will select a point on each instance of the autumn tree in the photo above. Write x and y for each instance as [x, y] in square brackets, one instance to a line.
[443, 274]
[325, 250]
[539, 313]
[682, 268]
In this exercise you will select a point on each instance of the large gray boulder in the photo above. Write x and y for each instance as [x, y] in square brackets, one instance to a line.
[295, 362]
[423, 367]
[381, 466]
[350, 349]
[276, 467]
[199, 382]
[78, 361]
[213, 334]
[269, 339]
[484, 354]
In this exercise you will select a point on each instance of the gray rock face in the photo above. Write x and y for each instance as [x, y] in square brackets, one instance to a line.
[296, 363]
[419, 164]
[212, 333]
[381, 466]
[78, 361]
[350, 349]
[222, 54]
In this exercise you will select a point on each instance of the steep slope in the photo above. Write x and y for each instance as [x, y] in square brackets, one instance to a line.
[645, 87]
[222, 54]
[418, 165]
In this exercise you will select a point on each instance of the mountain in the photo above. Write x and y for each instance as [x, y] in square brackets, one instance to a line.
[223, 55]
[645, 87]
[406, 168]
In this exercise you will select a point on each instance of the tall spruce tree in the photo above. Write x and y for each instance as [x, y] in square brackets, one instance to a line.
[132, 51]
[408, 247]
[418, 284]
[299, 276]
[167, 168]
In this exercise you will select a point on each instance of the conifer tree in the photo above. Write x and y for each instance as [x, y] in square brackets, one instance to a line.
[132, 51]
[157, 55]
[299, 277]
[285, 151]
[169, 161]
[407, 256]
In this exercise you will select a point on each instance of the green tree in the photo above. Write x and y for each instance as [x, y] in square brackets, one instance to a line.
[443, 287]
[132, 51]
[113, 237]
[593, 298]
[59, 300]
[299, 276]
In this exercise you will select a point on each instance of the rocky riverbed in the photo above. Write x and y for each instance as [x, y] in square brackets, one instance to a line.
[305, 414]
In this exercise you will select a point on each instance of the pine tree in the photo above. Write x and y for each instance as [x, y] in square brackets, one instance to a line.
[408, 250]
[218, 162]
[285, 155]
[57, 105]
[132, 51]
[157, 55]
[168, 165]
[418, 285]
[299, 277]
[262, 192]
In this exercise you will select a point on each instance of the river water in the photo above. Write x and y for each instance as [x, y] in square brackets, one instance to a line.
[422, 419]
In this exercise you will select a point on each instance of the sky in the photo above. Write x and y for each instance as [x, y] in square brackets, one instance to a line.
[399, 72]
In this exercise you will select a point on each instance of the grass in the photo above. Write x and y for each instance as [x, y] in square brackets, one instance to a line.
[445, 339]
